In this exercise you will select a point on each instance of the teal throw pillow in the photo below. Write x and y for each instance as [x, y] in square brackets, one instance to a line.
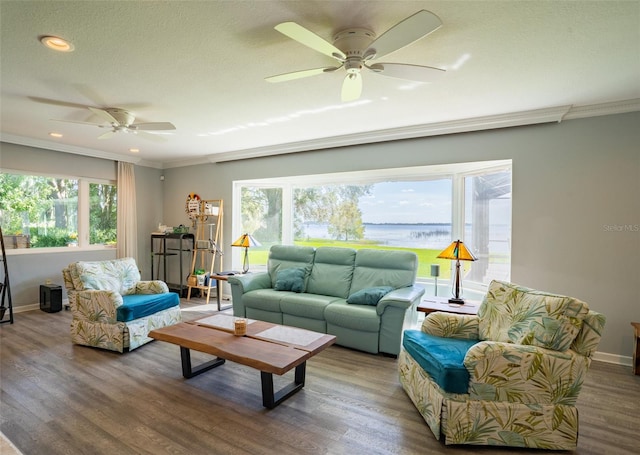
[369, 296]
[290, 280]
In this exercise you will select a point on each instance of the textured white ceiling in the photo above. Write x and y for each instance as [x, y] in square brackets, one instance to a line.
[201, 65]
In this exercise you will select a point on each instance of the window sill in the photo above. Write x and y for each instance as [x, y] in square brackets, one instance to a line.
[56, 250]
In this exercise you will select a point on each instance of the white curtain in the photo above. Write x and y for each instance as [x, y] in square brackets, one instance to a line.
[127, 214]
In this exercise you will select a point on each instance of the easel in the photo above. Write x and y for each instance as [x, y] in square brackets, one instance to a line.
[5, 288]
[208, 220]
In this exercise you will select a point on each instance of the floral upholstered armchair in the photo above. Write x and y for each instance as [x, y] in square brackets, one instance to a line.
[509, 376]
[112, 309]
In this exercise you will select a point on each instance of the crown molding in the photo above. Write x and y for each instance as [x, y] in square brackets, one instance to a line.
[595, 110]
[50, 145]
[512, 119]
[547, 115]
[507, 120]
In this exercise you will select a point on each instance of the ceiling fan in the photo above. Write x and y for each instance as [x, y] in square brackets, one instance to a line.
[122, 121]
[355, 48]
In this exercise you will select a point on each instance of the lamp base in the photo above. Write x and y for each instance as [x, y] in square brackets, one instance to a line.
[457, 301]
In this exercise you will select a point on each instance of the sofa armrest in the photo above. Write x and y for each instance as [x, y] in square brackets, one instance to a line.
[151, 287]
[241, 284]
[450, 325]
[524, 373]
[250, 281]
[96, 306]
[402, 298]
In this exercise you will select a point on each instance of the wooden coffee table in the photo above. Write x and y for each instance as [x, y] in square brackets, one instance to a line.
[270, 348]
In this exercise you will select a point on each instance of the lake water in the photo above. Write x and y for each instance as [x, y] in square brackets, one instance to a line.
[428, 236]
[401, 235]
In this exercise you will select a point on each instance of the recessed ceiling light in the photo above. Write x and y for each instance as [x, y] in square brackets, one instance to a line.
[52, 134]
[134, 150]
[56, 43]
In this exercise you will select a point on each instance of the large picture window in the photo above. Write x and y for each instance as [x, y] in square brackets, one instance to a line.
[46, 212]
[421, 209]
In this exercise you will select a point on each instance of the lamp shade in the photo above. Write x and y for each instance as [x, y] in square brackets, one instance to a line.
[458, 251]
[246, 241]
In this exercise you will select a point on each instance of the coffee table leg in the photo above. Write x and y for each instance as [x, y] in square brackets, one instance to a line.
[188, 371]
[270, 399]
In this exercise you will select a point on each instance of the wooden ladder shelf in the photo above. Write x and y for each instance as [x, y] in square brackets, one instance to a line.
[208, 218]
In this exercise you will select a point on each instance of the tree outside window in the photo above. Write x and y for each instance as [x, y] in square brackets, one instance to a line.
[43, 212]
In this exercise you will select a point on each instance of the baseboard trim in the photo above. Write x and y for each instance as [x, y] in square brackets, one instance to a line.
[613, 358]
[598, 356]
[24, 308]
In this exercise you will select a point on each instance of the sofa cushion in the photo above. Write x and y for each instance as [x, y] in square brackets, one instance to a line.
[290, 279]
[137, 306]
[332, 271]
[306, 305]
[355, 317]
[264, 299]
[441, 358]
[369, 296]
[516, 314]
[289, 256]
[395, 268]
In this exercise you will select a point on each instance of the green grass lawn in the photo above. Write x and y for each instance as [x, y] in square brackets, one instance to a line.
[259, 256]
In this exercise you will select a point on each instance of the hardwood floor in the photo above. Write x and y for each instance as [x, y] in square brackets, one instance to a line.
[58, 398]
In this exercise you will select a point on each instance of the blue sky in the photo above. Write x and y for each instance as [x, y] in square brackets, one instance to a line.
[408, 202]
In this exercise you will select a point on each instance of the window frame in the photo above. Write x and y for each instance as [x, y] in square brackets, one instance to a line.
[83, 214]
[457, 172]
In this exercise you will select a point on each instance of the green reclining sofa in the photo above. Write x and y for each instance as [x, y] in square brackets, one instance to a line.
[361, 297]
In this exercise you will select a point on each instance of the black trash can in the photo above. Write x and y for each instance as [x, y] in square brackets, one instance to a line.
[50, 298]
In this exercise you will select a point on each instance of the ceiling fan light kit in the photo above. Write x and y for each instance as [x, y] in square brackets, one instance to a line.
[354, 48]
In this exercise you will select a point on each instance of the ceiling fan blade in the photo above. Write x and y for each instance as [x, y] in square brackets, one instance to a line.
[352, 87]
[408, 72]
[308, 38]
[104, 115]
[106, 135]
[39, 99]
[299, 74]
[79, 123]
[153, 126]
[150, 136]
[404, 33]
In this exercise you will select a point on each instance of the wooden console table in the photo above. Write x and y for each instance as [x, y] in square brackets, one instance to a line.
[431, 304]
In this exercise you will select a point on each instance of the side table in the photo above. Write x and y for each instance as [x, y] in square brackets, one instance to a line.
[218, 278]
[430, 304]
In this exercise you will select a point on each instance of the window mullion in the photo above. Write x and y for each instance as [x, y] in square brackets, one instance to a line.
[457, 202]
[287, 214]
[83, 213]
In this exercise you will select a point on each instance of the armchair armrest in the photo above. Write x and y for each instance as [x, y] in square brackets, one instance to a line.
[151, 287]
[450, 325]
[524, 374]
[96, 306]
[402, 298]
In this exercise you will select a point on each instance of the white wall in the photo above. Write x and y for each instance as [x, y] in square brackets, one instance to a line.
[574, 184]
[571, 181]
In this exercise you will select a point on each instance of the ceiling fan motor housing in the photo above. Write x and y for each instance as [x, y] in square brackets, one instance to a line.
[124, 118]
[353, 42]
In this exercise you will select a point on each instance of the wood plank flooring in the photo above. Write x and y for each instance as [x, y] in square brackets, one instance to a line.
[57, 398]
